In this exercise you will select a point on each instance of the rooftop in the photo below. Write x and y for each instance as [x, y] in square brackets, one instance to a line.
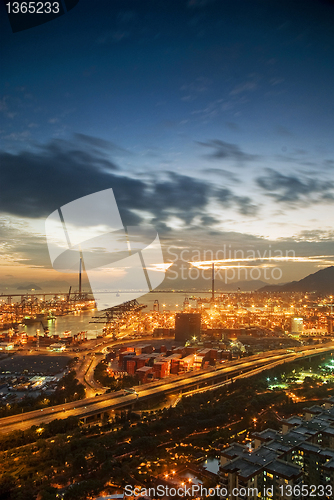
[266, 435]
[283, 469]
[243, 467]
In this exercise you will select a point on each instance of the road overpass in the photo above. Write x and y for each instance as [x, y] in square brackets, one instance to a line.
[191, 381]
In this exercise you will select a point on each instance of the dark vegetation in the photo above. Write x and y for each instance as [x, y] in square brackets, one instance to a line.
[94, 457]
[68, 389]
[115, 384]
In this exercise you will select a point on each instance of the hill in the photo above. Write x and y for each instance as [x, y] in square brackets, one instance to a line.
[28, 286]
[322, 282]
[183, 276]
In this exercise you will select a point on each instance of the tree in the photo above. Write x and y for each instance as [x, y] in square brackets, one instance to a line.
[49, 493]
[7, 485]
[79, 464]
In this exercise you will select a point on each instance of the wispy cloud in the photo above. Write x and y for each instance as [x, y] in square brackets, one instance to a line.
[199, 4]
[264, 261]
[101, 144]
[222, 150]
[193, 89]
[222, 173]
[292, 189]
[244, 87]
[283, 131]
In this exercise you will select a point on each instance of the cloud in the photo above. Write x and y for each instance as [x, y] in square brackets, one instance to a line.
[13, 103]
[180, 194]
[276, 81]
[244, 87]
[246, 207]
[113, 36]
[283, 131]
[21, 246]
[296, 158]
[224, 150]
[60, 171]
[244, 204]
[290, 188]
[126, 16]
[233, 126]
[225, 174]
[209, 220]
[199, 4]
[328, 197]
[36, 182]
[194, 88]
[18, 136]
[316, 235]
[100, 143]
[122, 28]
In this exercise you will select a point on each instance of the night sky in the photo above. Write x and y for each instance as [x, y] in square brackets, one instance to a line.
[212, 120]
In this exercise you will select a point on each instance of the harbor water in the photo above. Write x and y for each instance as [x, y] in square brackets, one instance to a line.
[82, 321]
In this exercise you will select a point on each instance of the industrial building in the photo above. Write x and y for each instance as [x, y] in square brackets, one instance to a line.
[150, 364]
[187, 326]
[297, 326]
[6, 346]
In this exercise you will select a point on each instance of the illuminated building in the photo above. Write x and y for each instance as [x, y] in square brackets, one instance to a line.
[297, 325]
[187, 326]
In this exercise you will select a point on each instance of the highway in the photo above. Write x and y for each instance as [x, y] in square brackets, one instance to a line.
[86, 365]
[190, 380]
[85, 375]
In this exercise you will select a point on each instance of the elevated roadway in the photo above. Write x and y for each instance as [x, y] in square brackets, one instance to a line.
[190, 381]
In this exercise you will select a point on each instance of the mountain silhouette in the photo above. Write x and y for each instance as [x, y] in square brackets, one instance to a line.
[322, 282]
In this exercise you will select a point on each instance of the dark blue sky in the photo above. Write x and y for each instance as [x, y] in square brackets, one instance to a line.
[209, 118]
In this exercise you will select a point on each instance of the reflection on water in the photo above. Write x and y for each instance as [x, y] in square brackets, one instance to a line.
[75, 323]
[80, 321]
[212, 465]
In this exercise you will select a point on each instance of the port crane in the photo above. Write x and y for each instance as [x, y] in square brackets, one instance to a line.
[111, 317]
[45, 328]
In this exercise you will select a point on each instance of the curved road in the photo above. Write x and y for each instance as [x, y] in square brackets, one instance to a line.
[116, 400]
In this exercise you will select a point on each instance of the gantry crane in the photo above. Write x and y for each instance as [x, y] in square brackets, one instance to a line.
[112, 316]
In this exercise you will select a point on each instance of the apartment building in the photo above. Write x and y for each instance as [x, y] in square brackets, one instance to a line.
[286, 464]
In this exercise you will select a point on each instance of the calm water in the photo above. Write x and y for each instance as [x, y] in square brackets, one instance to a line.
[212, 465]
[75, 323]
[78, 322]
